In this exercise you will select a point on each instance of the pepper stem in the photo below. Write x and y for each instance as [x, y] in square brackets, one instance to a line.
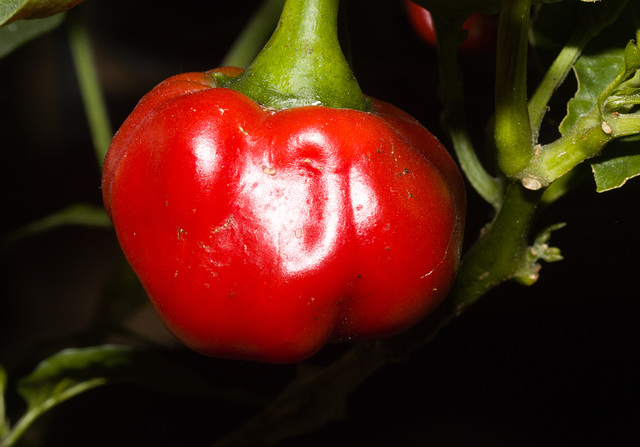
[302, 63]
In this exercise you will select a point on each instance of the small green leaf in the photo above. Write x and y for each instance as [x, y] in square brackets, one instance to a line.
[631, 57]
[618, 164]
[529, 268]
[22, 31]
[12, 10]
[78, 214]
[594, 72]
[9, 8]
[611, 71]
[73, 371]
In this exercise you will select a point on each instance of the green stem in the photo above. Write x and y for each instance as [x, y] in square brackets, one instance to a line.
[254, 35]
[90, 88]
[20, 428]
[514, 139]
[555, 76]
[586, 139]
[449, 37]
[303, 64]
[589, 26]
[497, 255]
[624, 125]
[34, 412]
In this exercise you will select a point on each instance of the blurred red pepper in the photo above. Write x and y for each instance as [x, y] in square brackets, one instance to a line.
[482, 30]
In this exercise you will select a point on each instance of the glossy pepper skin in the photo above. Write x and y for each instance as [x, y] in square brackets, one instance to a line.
[263, 235]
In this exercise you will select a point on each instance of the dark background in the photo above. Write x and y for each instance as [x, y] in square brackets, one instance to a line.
[552, 364]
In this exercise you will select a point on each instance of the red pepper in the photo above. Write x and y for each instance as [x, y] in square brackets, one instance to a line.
[482, 30]
[264, 230]
[263, 235]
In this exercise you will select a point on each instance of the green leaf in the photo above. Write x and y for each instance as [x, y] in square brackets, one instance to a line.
[74, 371]
[631, 57]
[594, 72]
[12, 10]
[529, 269]
[619, 163]
[575, 24]
[610, 71]
[79, 214]
[9, 8]
[22, 31]
[69, 373]
[63, 376]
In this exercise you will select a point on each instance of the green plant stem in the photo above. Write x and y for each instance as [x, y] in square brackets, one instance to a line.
[497, 255]
[449, 35]
[586, 139]
[254, 35]
[589, 26]
[78, 214]
[555, 76]
[92, 97]
[513, 135]
[33, 412]
[302, 63]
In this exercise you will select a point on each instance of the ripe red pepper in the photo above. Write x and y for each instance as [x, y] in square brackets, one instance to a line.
[482, 30]
[263, 231]
[263, 235]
